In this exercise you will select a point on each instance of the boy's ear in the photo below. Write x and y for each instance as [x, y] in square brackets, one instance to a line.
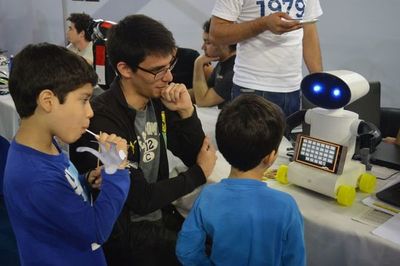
[45, 100]
[124, 70]
[270, 158]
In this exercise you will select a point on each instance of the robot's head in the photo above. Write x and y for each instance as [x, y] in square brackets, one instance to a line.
[98, 29]
[334, 89]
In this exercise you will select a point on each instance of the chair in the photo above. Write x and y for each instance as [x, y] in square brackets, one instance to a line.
[8, 244]
[390, 121]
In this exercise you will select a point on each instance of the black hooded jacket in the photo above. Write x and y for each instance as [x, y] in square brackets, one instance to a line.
[185, 137]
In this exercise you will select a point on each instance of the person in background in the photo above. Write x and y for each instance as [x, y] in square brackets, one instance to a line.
[393, 140]
[271, 45]
[216, 90]
[248, 222]
[183, 70]
[153, 114]
[50, 207]
[78, 35]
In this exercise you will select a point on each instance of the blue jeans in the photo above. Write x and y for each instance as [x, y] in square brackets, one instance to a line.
[288, 102]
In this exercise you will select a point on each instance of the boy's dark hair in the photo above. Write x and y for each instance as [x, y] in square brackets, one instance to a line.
[248, 129]
[206, 29]
[135, 37]
[46, 66]
[82, 22]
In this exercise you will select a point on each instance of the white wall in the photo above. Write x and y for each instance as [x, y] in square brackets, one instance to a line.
[364, 36]
[183, 17]
[358, 35]
[30, 21]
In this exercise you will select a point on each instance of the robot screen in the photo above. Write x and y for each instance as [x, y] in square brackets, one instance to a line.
[320, 154]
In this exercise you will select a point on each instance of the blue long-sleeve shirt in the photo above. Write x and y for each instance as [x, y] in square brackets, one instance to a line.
[54, 222]
[249, 224]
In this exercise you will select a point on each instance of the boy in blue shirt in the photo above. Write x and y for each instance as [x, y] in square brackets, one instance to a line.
[49, 205]
[247, 222]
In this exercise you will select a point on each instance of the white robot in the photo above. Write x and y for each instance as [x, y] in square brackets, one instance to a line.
[98, 30]
[323, 162]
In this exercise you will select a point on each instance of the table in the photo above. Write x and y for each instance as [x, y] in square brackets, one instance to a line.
[331, 236]
[9, 117]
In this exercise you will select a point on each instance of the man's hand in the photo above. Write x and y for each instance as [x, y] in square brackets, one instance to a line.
[389, 140]
[176, 98]
[207, 157]
[205, 60]
[280, 22]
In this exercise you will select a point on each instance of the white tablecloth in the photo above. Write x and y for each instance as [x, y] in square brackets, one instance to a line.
[9, 118]
[332, 237]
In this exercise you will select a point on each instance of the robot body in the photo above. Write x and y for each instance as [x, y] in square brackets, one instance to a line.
[332, 123]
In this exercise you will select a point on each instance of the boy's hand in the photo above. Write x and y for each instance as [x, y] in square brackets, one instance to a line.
[94, 178]
[176, 98]
[207, 157]
[121, 146]
[113, 152]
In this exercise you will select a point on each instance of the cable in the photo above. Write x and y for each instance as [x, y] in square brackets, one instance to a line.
[388, 177]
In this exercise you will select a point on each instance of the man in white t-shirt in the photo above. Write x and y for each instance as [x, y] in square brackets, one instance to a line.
[79, 37]
[271, 45]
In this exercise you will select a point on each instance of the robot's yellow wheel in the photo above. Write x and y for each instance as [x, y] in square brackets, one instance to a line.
[346, 195]
[367, 183]
[281, 174]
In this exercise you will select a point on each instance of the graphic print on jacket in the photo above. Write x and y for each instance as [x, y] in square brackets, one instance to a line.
[148, 139]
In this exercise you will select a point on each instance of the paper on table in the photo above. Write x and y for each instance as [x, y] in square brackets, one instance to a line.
[375, 203]
[390, 230]
[372, 217]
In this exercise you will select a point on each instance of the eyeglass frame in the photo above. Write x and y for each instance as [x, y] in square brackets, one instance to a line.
[162, 72]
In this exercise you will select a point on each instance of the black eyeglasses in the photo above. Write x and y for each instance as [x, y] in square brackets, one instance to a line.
[159, 74]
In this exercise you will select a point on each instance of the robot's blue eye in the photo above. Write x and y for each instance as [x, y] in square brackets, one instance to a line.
[336, 93]
[326, 90]
[317, 88]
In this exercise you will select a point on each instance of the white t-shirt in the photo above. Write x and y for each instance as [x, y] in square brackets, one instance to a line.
[268, 62]
[86, 53]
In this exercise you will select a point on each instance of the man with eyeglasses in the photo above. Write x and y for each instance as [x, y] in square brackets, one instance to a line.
[152, 114]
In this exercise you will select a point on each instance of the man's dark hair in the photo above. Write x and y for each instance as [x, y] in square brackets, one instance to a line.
[135, 37]
[206, 29]
[82, 22]
[46, 66]
[206, 26]
[248, 129]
